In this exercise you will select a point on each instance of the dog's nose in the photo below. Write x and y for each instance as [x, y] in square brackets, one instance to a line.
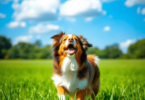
[70, 40]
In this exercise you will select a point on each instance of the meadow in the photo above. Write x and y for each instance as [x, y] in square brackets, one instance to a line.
[31, 80]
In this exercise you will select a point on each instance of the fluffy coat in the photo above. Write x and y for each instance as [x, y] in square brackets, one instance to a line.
[74, 72]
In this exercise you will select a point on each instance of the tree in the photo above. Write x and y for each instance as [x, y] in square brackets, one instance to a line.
[38, 43]
[137, 50]
[22, 50]
[5, 44]
[43, 53]
[14, 52]
[48, 51]
[113, 51]
[29, 51]
[92, 50]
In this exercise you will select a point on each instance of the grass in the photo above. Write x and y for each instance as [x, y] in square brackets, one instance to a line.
[31, 80]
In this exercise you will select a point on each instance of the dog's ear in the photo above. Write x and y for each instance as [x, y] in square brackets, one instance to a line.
[57, 38]
[85, 43]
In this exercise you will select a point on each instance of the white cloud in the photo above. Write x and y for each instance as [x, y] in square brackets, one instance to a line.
[16, 24]
[2, 15]
[138, 10]
[107, 28]
[36, 10]
[23, 39]
[107, 0]
[127, 43]
[88, 19]
[143, 11]
[82, 8]
[124, 45]
[130, 3]
[40, 28]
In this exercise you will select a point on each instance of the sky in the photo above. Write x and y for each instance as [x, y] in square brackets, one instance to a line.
[101, 22]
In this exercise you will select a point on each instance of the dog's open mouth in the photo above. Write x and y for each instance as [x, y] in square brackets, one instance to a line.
[70, 49]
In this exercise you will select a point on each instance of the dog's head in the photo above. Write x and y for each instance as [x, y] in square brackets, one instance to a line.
[67, 45]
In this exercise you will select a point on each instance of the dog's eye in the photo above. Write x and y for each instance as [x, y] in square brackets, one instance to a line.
[76, 39]
[64, 40]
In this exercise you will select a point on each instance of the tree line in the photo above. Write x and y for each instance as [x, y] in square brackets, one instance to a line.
[24, 50]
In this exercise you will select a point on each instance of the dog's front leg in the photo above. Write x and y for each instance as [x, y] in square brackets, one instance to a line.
[83, 93]
[61, 92]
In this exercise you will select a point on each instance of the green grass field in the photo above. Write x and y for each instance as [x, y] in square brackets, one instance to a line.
[31, 80]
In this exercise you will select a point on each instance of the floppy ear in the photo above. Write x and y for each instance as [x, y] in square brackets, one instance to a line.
[57, 38]
[85, 43]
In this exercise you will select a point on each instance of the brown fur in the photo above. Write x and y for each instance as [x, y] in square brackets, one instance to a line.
[87, 67]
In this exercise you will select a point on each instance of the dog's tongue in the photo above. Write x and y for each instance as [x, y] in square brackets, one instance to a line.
[71, 50]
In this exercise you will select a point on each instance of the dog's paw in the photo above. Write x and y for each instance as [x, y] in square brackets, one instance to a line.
[61, 97]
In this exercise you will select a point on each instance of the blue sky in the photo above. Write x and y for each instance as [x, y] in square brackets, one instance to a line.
[102, 22]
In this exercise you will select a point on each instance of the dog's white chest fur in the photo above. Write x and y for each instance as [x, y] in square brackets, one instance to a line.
[69, 76]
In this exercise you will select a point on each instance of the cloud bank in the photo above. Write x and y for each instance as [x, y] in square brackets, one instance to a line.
[16, 24]
[23, 39]
[124, 45]
[40, 28]
[82, 8]
[108, 0]
[36, 10]
[50, 10]
[127, 43]
[130, 3]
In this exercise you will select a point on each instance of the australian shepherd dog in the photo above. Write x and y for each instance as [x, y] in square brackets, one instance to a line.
[74, 72]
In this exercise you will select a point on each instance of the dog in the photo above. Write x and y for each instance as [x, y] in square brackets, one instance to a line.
[74, 72]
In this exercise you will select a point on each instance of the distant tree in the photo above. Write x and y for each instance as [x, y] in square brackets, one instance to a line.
[113, 51]
[29, 51]
[22, 50]
[48, 51]
[38, 43]
[101, 54]
[92, 50]
[5, 44]
[43, 53]
[96, 51]
[137, 50]
[14, 52]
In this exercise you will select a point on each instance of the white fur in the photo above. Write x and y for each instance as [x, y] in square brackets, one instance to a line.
[69, 76]
[67, 42]
[70, 35]
[57, 80]
[97, 60]
[69, 64]
[61, 97]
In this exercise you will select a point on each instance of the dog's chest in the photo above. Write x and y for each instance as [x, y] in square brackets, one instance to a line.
[69, 76]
